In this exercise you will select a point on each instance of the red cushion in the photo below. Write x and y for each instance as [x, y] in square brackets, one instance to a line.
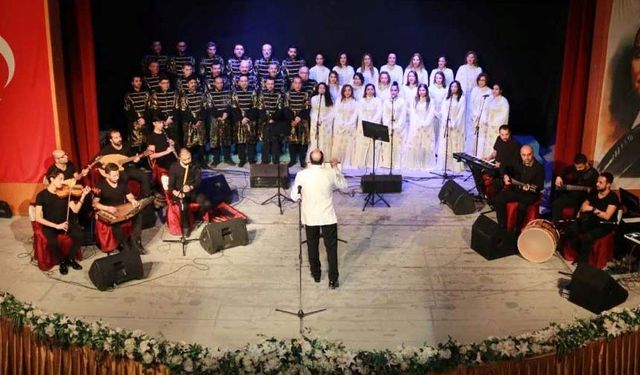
[157, 172]
[533, 213]
[174, 216]
[43, 254]
[568, 213]
[489, 187]
[601, 253]
[105, 239]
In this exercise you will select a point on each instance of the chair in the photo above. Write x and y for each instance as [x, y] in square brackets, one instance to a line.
[105, 238]
[41, 252]
[533, 213]
[601, 253]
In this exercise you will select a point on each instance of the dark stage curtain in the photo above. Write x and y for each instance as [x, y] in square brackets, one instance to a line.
[575, 81]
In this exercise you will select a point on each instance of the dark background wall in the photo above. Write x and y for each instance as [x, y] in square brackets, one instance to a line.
[519, 43]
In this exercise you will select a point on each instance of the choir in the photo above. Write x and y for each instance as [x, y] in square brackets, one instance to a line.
[429, 115]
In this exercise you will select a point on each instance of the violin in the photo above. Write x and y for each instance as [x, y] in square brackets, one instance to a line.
[65, 191]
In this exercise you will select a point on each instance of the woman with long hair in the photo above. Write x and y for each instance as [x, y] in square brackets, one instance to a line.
[442, 67]
[410, 86]
[369, 72]
[452, 113]
[420, 153]
[477, 103]
[394, 113]
[358, 86]
[333, 82]
[369, 109]
[344, 125]
[437, 93]
[495, 114]
[468, 73]
[321, 119]
[384, 83]
[416, 64]
[344, 70]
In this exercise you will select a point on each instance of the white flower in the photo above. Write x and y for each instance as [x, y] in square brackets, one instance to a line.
[144, 346]
[176, 359]
[479, 357]
[137, 333]
[129, 345]
[446, 353]
[523, 347]
[188, 365]
[611, 328]
[147, 358]
[50, 330]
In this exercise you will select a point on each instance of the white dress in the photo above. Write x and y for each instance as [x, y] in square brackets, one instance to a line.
[495, 114]
[437, 95]
[369, 109]
[408, 92]
[319, 73]
[358, 92]
[345, 74]
[423, 75]
[467, 76]
[448, 76]
[455, 110]
[334, 91]
[475, 105]
[320, 111]
[344, 129]
[396, 73]
[419, 153]
[368, 76]
[383, 93]
[398, 115]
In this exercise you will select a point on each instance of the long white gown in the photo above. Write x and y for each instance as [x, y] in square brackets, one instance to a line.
[455, 109]
[467, 76]
[437, 95]
[408, 93]
[369, 109]
[344, 128]
[368, 76]
[334, 91]
[423, 75]
[358, 92]
[495, 114]
[345, 74]
[396, 73]
[383, 93]
[319, 73]
[473, 117]
[399, 115]
[419, 153]
[448, 75]
[320, 111]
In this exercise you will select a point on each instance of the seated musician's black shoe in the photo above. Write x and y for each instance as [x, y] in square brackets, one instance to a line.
[75, 265]
[63, 268]
[186, 232]
[137, 246]
[334, 284]
[316, 278]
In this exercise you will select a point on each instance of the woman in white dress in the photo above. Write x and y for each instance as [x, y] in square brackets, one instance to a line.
[442, 67]
[437, 93]
[410, 87]
[419, 153]
[384, 84]
[478, 102]
[495, 114]
[321, 120]
[394, 112]
[396, 74]
[416, 64]
[344, 126]
[334, 86]
[344, 70]
[453, 110]
[468, 74]
[358, 86]
[369, 72]
[319, 72]
[369, 109]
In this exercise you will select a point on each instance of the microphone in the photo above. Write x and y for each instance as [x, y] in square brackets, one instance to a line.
[485, 96]
[299, 189]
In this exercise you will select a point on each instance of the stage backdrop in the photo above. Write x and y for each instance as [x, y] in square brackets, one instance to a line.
[614, 92]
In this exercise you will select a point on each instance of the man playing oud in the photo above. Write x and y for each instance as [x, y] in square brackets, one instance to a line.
[117, 146]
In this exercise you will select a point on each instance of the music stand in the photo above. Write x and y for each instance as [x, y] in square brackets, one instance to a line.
[277, 130]
[377, 132]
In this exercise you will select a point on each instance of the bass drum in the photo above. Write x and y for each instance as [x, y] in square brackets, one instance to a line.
[538, 241]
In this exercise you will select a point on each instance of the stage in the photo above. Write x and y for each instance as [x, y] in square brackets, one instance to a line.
[407, 275]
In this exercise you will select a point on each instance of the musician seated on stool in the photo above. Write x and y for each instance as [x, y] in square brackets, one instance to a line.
[522, 185]
[315, 186]
[578, 175]
[184, 181]
[597, 217]
[117, 146]
[112, 192]
[62, 163]
[52, 212]
[506, 153]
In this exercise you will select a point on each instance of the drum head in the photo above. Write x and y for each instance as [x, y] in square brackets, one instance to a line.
[536, 244]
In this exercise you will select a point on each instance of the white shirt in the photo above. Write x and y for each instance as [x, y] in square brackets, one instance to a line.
[345, 74]
[318, 183]
[448, 76]
[319, 73]
[395, 72]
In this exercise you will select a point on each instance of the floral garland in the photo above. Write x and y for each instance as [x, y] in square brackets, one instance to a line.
[308, 354]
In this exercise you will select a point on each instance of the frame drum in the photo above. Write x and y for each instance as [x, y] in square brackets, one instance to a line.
[538, 241]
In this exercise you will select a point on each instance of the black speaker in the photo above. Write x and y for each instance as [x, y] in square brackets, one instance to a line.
[5, 210]
[457, 198]
[223, 235]
[385, 183]
[594, 290]
[266, 175]
[116, 269]
[490, 240]
[216, 188]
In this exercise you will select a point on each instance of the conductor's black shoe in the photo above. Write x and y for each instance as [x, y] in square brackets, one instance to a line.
[334, 284]
[63, 268]
[75, 265]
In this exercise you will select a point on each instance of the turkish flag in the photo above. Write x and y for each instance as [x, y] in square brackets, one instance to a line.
[27, 122]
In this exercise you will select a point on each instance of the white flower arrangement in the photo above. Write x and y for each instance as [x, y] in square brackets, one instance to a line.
[310, 354]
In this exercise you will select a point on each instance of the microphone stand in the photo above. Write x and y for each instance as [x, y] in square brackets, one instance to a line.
[475, 151]
[445, 175]
[318, 121]
[184, 241]
[392, 130]
[300, 313]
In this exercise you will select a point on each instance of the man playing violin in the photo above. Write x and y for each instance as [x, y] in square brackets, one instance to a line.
[61, 162]
[523, 185]
[52, 211]
[112, 192]
[118, 146]
[580, 174]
